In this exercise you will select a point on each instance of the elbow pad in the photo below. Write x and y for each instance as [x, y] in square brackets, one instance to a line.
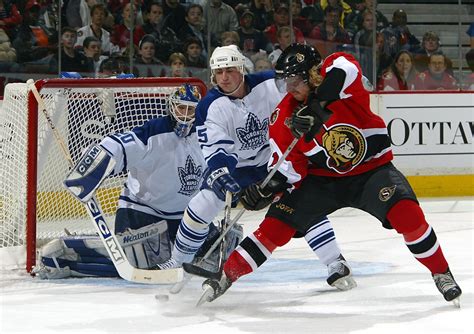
[331, 87]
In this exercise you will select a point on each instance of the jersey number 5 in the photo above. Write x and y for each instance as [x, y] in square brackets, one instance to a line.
[202, 135]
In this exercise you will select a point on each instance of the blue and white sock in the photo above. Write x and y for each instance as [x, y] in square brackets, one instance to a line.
[322, 240]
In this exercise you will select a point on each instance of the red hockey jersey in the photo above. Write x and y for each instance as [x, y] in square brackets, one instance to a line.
[354, 140]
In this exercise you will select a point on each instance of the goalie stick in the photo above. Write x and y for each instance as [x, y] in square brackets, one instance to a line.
[114, 249]
[195, 269]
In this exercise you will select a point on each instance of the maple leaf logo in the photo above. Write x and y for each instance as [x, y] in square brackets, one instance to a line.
[190, 177]
[254, 135]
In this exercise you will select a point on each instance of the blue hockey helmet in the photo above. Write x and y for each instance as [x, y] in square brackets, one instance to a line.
[182, 107]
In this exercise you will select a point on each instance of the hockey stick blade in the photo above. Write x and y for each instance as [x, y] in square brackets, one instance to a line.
[199, 271]
[118, 257]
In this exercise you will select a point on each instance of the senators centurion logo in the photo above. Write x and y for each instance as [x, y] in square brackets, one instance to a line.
[299, 57]
[345, 147]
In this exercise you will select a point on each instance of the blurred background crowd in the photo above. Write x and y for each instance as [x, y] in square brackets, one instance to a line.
[401, 45]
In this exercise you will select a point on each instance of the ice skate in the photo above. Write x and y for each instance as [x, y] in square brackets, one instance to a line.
[340, 275]
[214, 288]
[169, 264]
[448, 287]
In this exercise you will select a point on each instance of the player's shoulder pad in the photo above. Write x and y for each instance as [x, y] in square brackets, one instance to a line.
[254, 79]
[153, 127]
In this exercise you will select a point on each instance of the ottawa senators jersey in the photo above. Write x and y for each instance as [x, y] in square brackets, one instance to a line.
[353, 141]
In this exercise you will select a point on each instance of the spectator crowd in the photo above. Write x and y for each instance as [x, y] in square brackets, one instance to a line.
[99, 38]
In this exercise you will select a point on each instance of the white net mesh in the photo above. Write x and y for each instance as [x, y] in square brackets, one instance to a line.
[83, 115]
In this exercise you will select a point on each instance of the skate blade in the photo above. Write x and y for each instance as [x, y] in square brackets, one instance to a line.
[344, 283]
[205, 296]
[456, 302]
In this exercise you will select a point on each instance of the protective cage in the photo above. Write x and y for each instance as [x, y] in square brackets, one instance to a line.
[34, 206]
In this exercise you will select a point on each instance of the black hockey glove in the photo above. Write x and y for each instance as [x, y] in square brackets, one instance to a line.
[308, 119]
[254, 198]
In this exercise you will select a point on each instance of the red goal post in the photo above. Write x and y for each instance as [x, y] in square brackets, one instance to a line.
[34, 206]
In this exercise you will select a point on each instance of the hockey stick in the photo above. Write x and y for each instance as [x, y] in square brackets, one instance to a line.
[224, 223]
[195, 269]
[113, 247]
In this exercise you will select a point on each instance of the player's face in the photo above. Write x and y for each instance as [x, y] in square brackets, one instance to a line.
[297, 87]
[228, 79]
[184, 112]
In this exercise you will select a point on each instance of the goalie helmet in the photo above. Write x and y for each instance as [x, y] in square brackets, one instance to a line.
[297, 59]
[182, 107]
[225, 57]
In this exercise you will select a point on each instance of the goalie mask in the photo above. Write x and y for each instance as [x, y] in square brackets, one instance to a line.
[182, 108]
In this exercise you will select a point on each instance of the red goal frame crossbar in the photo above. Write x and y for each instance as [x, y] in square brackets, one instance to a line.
[32, 146]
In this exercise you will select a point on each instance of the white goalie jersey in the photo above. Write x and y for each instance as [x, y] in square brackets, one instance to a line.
[164, 170]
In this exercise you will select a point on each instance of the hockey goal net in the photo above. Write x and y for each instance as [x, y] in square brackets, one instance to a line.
[34, 206]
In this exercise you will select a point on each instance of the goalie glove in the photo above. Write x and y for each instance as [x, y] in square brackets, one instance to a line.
[308, 119]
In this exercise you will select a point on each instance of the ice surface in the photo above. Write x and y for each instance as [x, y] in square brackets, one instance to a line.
[288, 294]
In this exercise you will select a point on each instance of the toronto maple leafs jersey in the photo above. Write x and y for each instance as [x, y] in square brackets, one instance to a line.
[164, 170]
[233, 132]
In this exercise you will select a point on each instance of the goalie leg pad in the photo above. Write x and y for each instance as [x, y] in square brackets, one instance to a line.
[74, 256]
[84, 256]
[146, 246]
[95, 165]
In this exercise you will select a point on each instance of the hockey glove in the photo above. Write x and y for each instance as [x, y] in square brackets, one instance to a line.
[254, 198]
[308, 119]
[221, 181]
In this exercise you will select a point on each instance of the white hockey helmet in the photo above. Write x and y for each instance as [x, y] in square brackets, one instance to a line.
[224, 57]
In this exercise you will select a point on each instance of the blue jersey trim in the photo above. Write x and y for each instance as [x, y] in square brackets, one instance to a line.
[217, 143]
[251, 80]
[153, 127]
[124, 169]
